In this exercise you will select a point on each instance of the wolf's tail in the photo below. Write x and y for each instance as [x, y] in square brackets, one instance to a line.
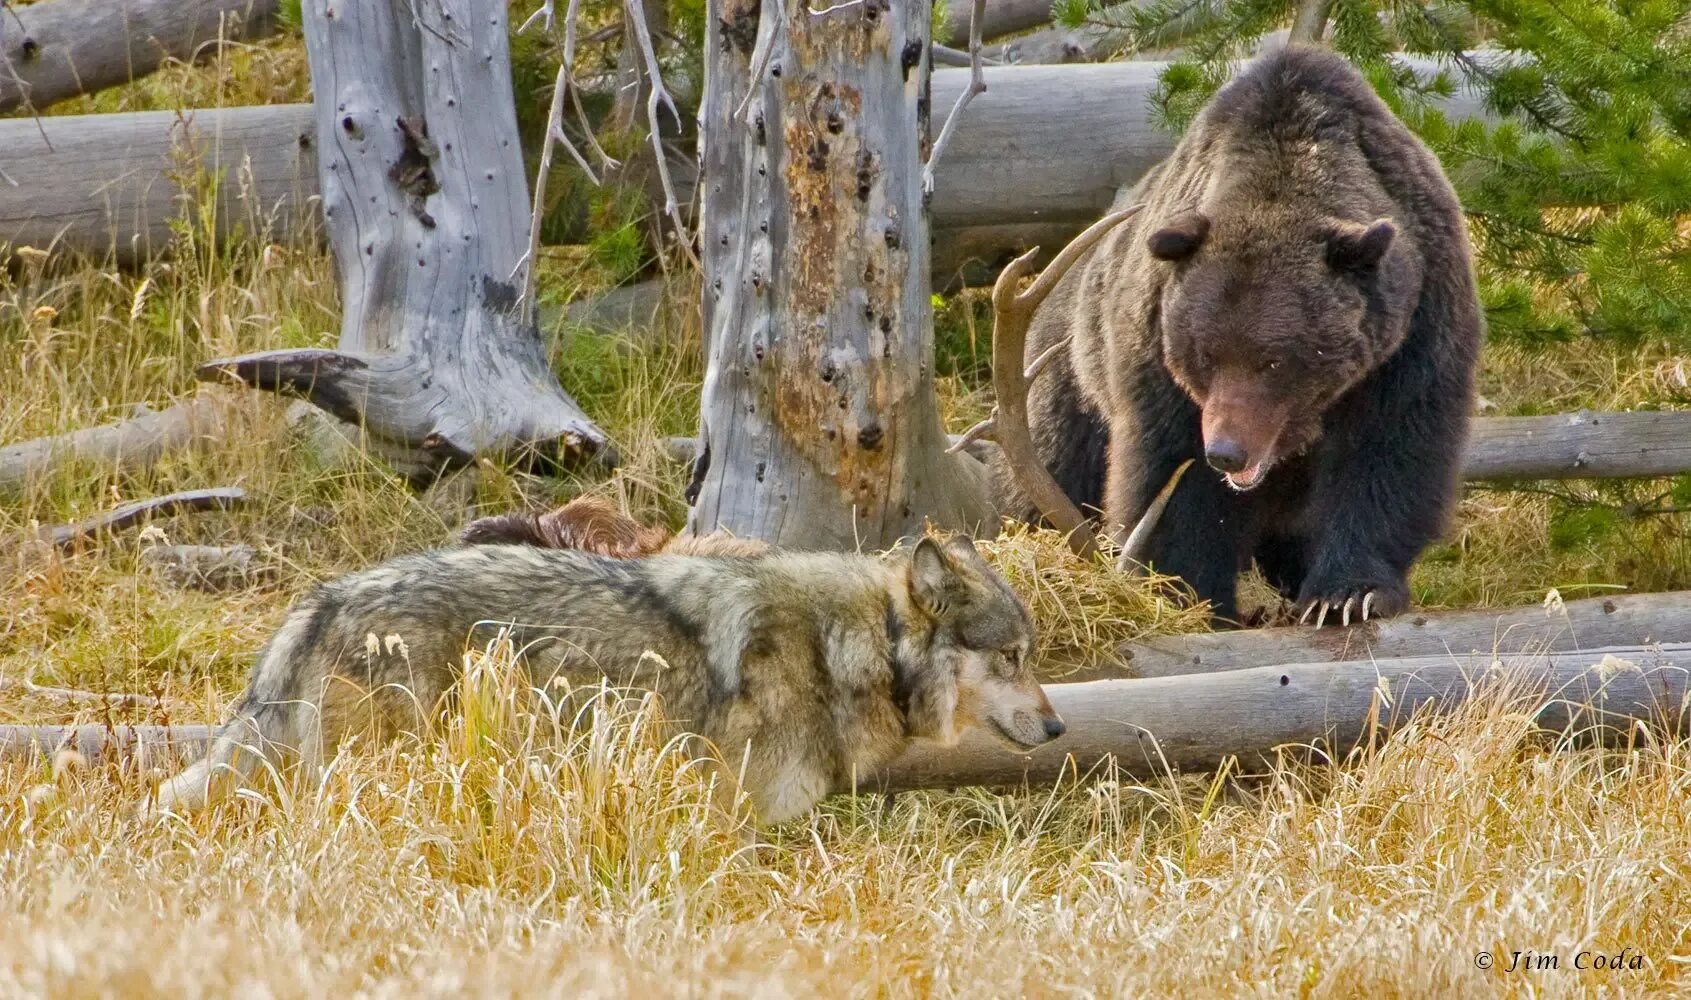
[271, 724]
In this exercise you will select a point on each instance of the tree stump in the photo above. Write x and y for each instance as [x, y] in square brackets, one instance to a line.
[426, 204]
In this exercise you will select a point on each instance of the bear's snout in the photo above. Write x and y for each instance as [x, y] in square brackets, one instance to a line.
[1225, 455]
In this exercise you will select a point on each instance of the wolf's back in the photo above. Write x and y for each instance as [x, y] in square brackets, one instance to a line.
[383, 645]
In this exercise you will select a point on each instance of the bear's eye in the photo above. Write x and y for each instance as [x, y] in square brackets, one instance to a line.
[1270, 366]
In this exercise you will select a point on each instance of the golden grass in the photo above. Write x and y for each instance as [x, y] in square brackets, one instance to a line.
[522, 854]
[594, 864]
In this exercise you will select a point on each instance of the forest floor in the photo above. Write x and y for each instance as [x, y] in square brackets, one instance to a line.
[499, 865]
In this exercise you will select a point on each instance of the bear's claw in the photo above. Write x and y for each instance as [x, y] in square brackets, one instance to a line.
[1320, 607]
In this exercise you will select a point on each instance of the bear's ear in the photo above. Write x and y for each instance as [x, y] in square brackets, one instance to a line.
[1181, 238]
[1354, 247]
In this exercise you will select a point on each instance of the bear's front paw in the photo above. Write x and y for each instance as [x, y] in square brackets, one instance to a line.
[1363, 601]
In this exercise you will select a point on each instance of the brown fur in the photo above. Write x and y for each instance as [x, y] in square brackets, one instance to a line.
[1295, 305]
[591, 524]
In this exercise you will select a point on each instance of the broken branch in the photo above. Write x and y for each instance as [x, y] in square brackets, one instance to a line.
[977, 85]
[128, 515]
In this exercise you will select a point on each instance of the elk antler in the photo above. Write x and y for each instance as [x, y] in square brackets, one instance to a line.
[1008, 424]
[1012, 312]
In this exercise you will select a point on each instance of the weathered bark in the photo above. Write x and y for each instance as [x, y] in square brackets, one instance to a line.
[1563, 446]
[122, 446]
[1038, 157]
[1193, 724]
[1621, 620]
[1309, 24]
[62, 48]
[819, 414]
[427, 213]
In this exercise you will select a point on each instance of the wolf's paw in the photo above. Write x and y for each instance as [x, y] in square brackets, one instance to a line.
[1347, 602]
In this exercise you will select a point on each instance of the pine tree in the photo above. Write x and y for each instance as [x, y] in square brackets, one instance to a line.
[1578, 193]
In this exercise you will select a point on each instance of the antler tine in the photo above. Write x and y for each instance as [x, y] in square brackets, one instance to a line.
[1076, 249]
[1132, 558]
[981, 430]
[1039, 364]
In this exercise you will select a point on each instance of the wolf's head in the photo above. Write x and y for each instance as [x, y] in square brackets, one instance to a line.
[976, 670]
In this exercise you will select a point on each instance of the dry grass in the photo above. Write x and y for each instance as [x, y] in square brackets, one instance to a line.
[594, 864]
[518, 854]
[505, 857]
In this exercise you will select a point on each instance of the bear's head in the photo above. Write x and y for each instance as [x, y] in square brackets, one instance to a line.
[1268, 318]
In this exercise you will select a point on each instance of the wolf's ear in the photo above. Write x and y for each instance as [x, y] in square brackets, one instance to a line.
[1181, 238]
[933, 577]
[1352, 246]
[961, 549]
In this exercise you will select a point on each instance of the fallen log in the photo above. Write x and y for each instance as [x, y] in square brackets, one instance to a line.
[211, 568]
[59, 49]
[148, 746]
[121, 446]
[1193, 724]
[1622, 620]
[1180, 724]
[1580, 445]
[1000, 17]
[1092, 42]
[99, 184]
[113, 184]
[1564, 446]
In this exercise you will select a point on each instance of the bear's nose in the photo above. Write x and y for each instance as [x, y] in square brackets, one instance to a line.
[1054, 728]
[1224, 455]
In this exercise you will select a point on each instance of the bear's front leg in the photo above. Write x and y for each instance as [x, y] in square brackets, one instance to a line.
[1197, 537]
[1375, 504]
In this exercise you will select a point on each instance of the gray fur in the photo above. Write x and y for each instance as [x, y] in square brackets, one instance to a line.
[825, 664]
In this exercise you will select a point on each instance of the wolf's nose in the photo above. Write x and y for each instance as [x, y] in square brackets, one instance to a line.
[1054, 728]
[1225, 455]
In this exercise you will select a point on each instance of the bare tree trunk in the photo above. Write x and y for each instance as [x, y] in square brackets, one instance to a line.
[62, 48]
[819, 420]
[1309, 24]
[427, 211]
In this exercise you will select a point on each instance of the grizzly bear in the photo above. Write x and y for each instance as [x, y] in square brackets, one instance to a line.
[1295, 308]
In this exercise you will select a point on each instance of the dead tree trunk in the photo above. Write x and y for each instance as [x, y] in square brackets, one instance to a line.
[51, 51]
[427, 211]
[819, 419]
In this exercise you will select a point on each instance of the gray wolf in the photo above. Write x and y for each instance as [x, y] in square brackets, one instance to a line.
[1295, 306]
[818, 668]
